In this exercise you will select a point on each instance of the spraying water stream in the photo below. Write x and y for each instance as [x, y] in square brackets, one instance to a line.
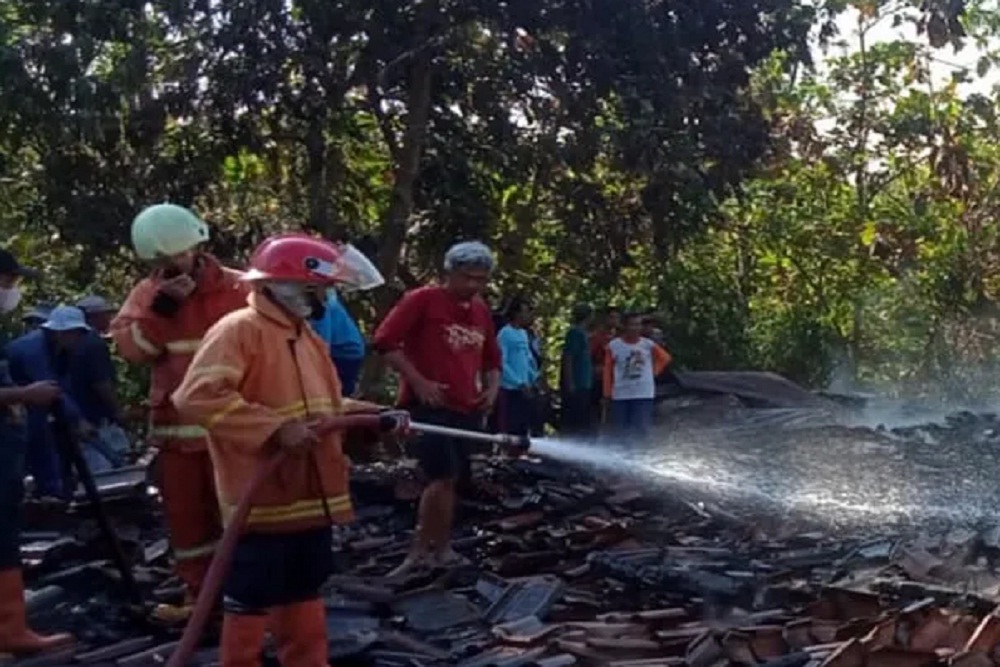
[842, 472]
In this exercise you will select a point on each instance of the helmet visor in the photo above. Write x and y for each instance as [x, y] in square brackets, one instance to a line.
[354, 271]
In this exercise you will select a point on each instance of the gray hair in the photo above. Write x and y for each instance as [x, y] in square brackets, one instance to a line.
[469, 254]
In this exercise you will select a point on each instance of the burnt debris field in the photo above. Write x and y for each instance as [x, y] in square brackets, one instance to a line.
[784, 536]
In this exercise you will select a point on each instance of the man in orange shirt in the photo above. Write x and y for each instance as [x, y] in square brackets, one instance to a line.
[260, 382]
[161, 324]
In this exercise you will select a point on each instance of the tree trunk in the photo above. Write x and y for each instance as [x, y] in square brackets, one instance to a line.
[319, 213]
[395, 224]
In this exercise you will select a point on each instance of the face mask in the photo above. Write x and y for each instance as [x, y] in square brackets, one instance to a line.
[9, 298]
[298, 299]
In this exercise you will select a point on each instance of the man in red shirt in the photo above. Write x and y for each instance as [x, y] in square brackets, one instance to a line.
[441, 341]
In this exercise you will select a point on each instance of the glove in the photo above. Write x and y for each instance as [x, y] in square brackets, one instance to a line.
[394, 422]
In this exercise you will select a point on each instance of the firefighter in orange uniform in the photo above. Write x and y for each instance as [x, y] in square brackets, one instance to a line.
[161, 324]
[260, 381]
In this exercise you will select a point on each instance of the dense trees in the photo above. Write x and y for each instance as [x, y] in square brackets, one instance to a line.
[678, 155]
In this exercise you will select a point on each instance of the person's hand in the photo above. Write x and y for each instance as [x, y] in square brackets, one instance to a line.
[430, 393]
[41, 393]
[394, 422]
[294, 435]
[487, 399]
[178, 288]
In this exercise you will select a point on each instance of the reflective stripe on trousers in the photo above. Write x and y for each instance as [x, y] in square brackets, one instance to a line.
[201, 551]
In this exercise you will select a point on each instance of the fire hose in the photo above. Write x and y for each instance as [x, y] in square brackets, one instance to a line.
[234, 529]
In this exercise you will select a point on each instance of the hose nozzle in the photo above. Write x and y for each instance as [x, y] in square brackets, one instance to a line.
[517, 445]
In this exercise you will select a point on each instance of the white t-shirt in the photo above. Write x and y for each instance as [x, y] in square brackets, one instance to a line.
[633, 369]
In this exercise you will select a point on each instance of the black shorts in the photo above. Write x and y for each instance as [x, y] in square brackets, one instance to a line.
[277, 569]
[443, 457]
[516, 412]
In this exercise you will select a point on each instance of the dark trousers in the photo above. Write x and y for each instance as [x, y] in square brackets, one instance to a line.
[12, 454]
[516, 412]
[632, 416]
[577, 410]
[272, 570]
[11, 495]
[47, 466]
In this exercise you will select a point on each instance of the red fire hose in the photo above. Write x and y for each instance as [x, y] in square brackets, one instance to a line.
[227, 545]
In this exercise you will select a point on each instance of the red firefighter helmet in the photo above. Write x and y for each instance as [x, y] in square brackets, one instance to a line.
[302, 258]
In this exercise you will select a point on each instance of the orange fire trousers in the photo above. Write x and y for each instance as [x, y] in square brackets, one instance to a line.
[187, 486]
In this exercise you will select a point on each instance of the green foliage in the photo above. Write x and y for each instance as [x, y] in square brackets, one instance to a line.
[867, 239]
[678, 156]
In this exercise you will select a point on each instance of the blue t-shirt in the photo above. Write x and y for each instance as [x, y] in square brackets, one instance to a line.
[577, 349]
[339, 331]
[32, 359]
[518, 363]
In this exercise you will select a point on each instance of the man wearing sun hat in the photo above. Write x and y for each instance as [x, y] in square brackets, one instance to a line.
[99, 311]
[68, 334]
[15, 636]
[46, 354]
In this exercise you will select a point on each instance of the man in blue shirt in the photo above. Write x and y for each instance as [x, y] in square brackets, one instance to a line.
[342, 336]
[577, 372]
[46, 355]
[519, 372]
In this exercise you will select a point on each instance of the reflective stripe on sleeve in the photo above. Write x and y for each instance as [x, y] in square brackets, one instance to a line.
[179, 431]
[142, 342]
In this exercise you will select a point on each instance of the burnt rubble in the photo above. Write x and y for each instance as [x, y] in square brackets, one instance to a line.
[571, 568]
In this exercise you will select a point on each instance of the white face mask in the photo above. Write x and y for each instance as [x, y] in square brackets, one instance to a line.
[293, 297]
[9, 298]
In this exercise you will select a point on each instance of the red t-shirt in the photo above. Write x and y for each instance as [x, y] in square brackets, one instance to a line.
[447, 341]
[599, 341]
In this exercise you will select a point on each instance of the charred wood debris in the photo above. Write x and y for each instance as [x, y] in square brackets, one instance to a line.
[566, 568]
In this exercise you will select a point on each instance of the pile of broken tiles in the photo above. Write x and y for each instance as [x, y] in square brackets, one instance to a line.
[563, 570]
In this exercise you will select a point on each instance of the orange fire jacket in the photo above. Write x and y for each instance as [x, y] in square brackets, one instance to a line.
[169, 343]
[255, 370]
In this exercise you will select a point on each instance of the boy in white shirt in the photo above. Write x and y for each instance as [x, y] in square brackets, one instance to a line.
[631, 365]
